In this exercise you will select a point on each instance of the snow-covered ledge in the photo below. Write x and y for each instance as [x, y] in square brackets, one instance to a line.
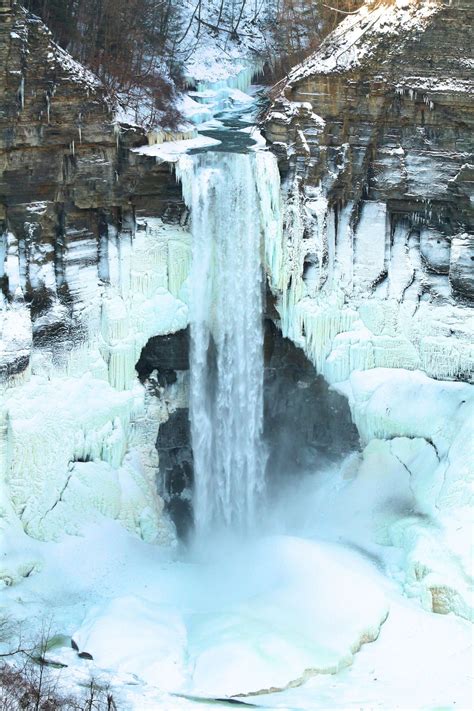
[77, 429]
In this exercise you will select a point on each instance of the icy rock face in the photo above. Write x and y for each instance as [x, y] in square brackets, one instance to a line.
[78, 429]
[92, 265]
[369, 255]
[375, 265]
[79, 196]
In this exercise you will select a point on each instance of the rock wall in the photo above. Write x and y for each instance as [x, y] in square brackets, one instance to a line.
[369, 252]
[374, 140]
[92, 265]
[68, 185]
[307, 425]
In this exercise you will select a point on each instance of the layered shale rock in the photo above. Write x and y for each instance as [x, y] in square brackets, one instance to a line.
[374, 139]
[68, 183]
[92, 263]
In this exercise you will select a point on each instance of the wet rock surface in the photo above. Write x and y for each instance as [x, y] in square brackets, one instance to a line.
[306, 423]
[176, 469]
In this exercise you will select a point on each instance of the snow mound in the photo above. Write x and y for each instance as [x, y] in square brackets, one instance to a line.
[265, 618]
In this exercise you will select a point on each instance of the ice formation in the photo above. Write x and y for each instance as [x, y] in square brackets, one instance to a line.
[77, 445]
[226, 397]
[323, 274]
[383, 348]
[77, 428]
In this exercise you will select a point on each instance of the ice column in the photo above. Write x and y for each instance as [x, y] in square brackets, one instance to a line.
[226, 402]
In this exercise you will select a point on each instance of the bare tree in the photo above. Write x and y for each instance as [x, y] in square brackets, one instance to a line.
[30, 681]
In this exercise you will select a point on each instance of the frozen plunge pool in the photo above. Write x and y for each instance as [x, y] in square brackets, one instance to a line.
[323, 622]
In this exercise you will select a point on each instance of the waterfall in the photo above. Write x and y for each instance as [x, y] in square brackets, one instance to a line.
[226, 398]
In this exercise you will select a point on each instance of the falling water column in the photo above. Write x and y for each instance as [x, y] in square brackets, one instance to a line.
[226, 400]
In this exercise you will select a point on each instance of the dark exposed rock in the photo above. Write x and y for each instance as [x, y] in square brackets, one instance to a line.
[175, 432]
[14, 366]
[166, 354]
[306, 423]
[461, 267]
[176, 469]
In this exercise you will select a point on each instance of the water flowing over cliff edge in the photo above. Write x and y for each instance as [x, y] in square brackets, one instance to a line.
[226, 314]
[361, 216]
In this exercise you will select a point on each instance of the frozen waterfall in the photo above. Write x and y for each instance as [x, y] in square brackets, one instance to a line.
[226, 399]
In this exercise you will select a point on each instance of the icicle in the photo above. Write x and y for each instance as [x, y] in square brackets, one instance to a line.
[21, 92]
[116, 127]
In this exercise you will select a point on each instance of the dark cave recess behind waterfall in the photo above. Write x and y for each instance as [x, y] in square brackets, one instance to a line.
[307, 426]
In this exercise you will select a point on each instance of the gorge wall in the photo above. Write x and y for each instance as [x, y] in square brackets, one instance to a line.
[373, 136]
[368, 251]
[92, 260]
[373, 265]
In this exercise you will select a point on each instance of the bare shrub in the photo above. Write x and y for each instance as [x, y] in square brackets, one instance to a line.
[31, 681]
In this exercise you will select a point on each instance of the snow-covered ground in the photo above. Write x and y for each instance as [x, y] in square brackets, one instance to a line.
[308, 607]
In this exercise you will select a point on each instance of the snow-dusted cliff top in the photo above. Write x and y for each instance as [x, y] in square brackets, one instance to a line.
[378, 25]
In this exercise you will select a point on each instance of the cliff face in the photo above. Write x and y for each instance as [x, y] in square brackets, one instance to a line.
[68, 183]
[374, 139]
[92, 260]
[370, 254]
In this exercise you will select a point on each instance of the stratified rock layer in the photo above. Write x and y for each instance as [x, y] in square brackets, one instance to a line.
[68, 183]
[374, 139]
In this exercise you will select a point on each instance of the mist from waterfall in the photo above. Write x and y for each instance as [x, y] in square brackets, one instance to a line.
[226, 392]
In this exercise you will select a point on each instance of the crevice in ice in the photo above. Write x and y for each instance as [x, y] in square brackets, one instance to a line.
[60, 497]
